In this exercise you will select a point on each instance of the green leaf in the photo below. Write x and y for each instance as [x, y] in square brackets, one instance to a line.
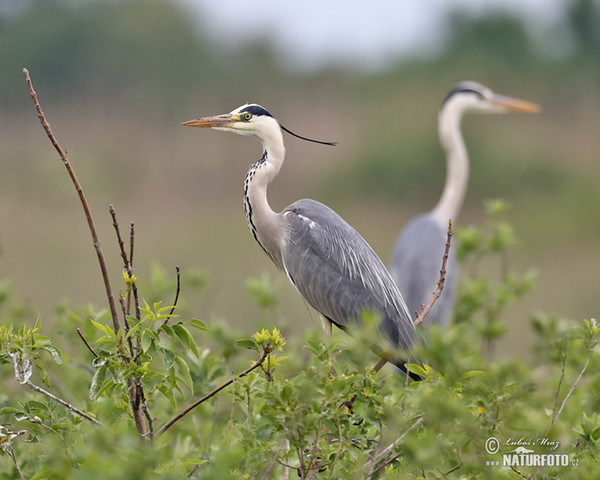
[200, 325]
[38, 321]
[146, 341]
[97, 381]
[168, 359]
[9, 410]
[185, 371]
[168, 393]
[43, 374]
[55, 352]
[103, 328]
[168, 329]
[473, 373]
[185, 337]
[246, 343]
[418, 369]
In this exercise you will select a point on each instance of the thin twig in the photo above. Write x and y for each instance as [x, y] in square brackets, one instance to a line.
[187, 410]
[63, 403]
[371, 464]
[131, 241]
[453, 469]
[86, 342]
[587, 361]
[176, 295]
[146, 410]
[131, 245]
[11, 454]
[440, 284]
[560, 381]
[113, 214]
[126, 323]
[63, 156]
[521, 474]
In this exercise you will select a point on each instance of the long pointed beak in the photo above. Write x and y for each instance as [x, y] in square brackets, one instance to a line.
[514, 104]
[226, 120]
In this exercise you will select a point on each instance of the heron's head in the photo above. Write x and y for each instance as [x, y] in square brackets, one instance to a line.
[249, 119]
[471, 96]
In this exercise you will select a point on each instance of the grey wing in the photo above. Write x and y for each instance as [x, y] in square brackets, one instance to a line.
[338, 273]
[415, 267]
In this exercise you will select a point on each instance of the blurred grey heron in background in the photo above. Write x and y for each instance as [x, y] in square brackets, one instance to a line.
[417, 256]
[326, 260]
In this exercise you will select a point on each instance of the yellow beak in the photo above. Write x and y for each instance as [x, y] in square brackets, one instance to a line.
[515, 105]
[226, 120]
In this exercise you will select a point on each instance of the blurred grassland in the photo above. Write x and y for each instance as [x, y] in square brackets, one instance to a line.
[115, 95]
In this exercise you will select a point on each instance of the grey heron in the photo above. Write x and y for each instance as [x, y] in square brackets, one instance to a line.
[326, 260]
[417, 255]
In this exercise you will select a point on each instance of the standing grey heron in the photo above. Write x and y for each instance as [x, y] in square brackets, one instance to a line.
[325, 259]
[418, 252]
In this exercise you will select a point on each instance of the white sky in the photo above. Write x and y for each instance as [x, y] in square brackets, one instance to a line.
[314, 32]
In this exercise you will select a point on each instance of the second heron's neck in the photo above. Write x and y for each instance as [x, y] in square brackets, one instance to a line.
[263, 222]
[457, 167]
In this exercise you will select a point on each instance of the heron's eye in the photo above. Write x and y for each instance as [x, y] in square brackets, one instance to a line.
[247, 116]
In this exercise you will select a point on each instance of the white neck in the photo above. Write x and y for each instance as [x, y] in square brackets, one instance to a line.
[457, 165]
[264, 223]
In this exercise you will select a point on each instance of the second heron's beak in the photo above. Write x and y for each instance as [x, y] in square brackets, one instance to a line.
[217, 121]
[514, 104]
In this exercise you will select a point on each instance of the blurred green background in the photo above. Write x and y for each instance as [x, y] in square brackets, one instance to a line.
[116, 79]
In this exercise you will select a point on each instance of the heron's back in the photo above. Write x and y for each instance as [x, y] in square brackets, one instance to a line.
[339, 274]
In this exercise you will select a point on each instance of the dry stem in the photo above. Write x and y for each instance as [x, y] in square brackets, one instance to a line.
[440, 284]
[373, 468]
[187, 410]
[88, 215]
[86, 342]
[176, 295]
[62, 402]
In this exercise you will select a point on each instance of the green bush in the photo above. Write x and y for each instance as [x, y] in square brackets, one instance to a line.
[303, 409]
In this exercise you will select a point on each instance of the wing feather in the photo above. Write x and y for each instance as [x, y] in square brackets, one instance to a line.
[339, 274]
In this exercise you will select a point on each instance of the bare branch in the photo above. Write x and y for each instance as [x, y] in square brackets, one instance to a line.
[11, 454]
[176, 295]
[63, 156]
[453, 469]
[86, 343]
[113, 214]
[126, 323]
[211, 394]
[63, 403]
[131, 242]
[440, 285]
[371, 464]
[560, 381]
[146, 411]
[587, 362]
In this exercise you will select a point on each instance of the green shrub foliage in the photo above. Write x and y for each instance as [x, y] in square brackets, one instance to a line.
[264, 408]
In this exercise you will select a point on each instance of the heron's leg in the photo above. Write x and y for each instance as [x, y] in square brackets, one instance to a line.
[326, 327]
[326, 324]
[379, 364]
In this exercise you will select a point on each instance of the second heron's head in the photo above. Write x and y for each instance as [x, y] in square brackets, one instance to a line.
[471, 96]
